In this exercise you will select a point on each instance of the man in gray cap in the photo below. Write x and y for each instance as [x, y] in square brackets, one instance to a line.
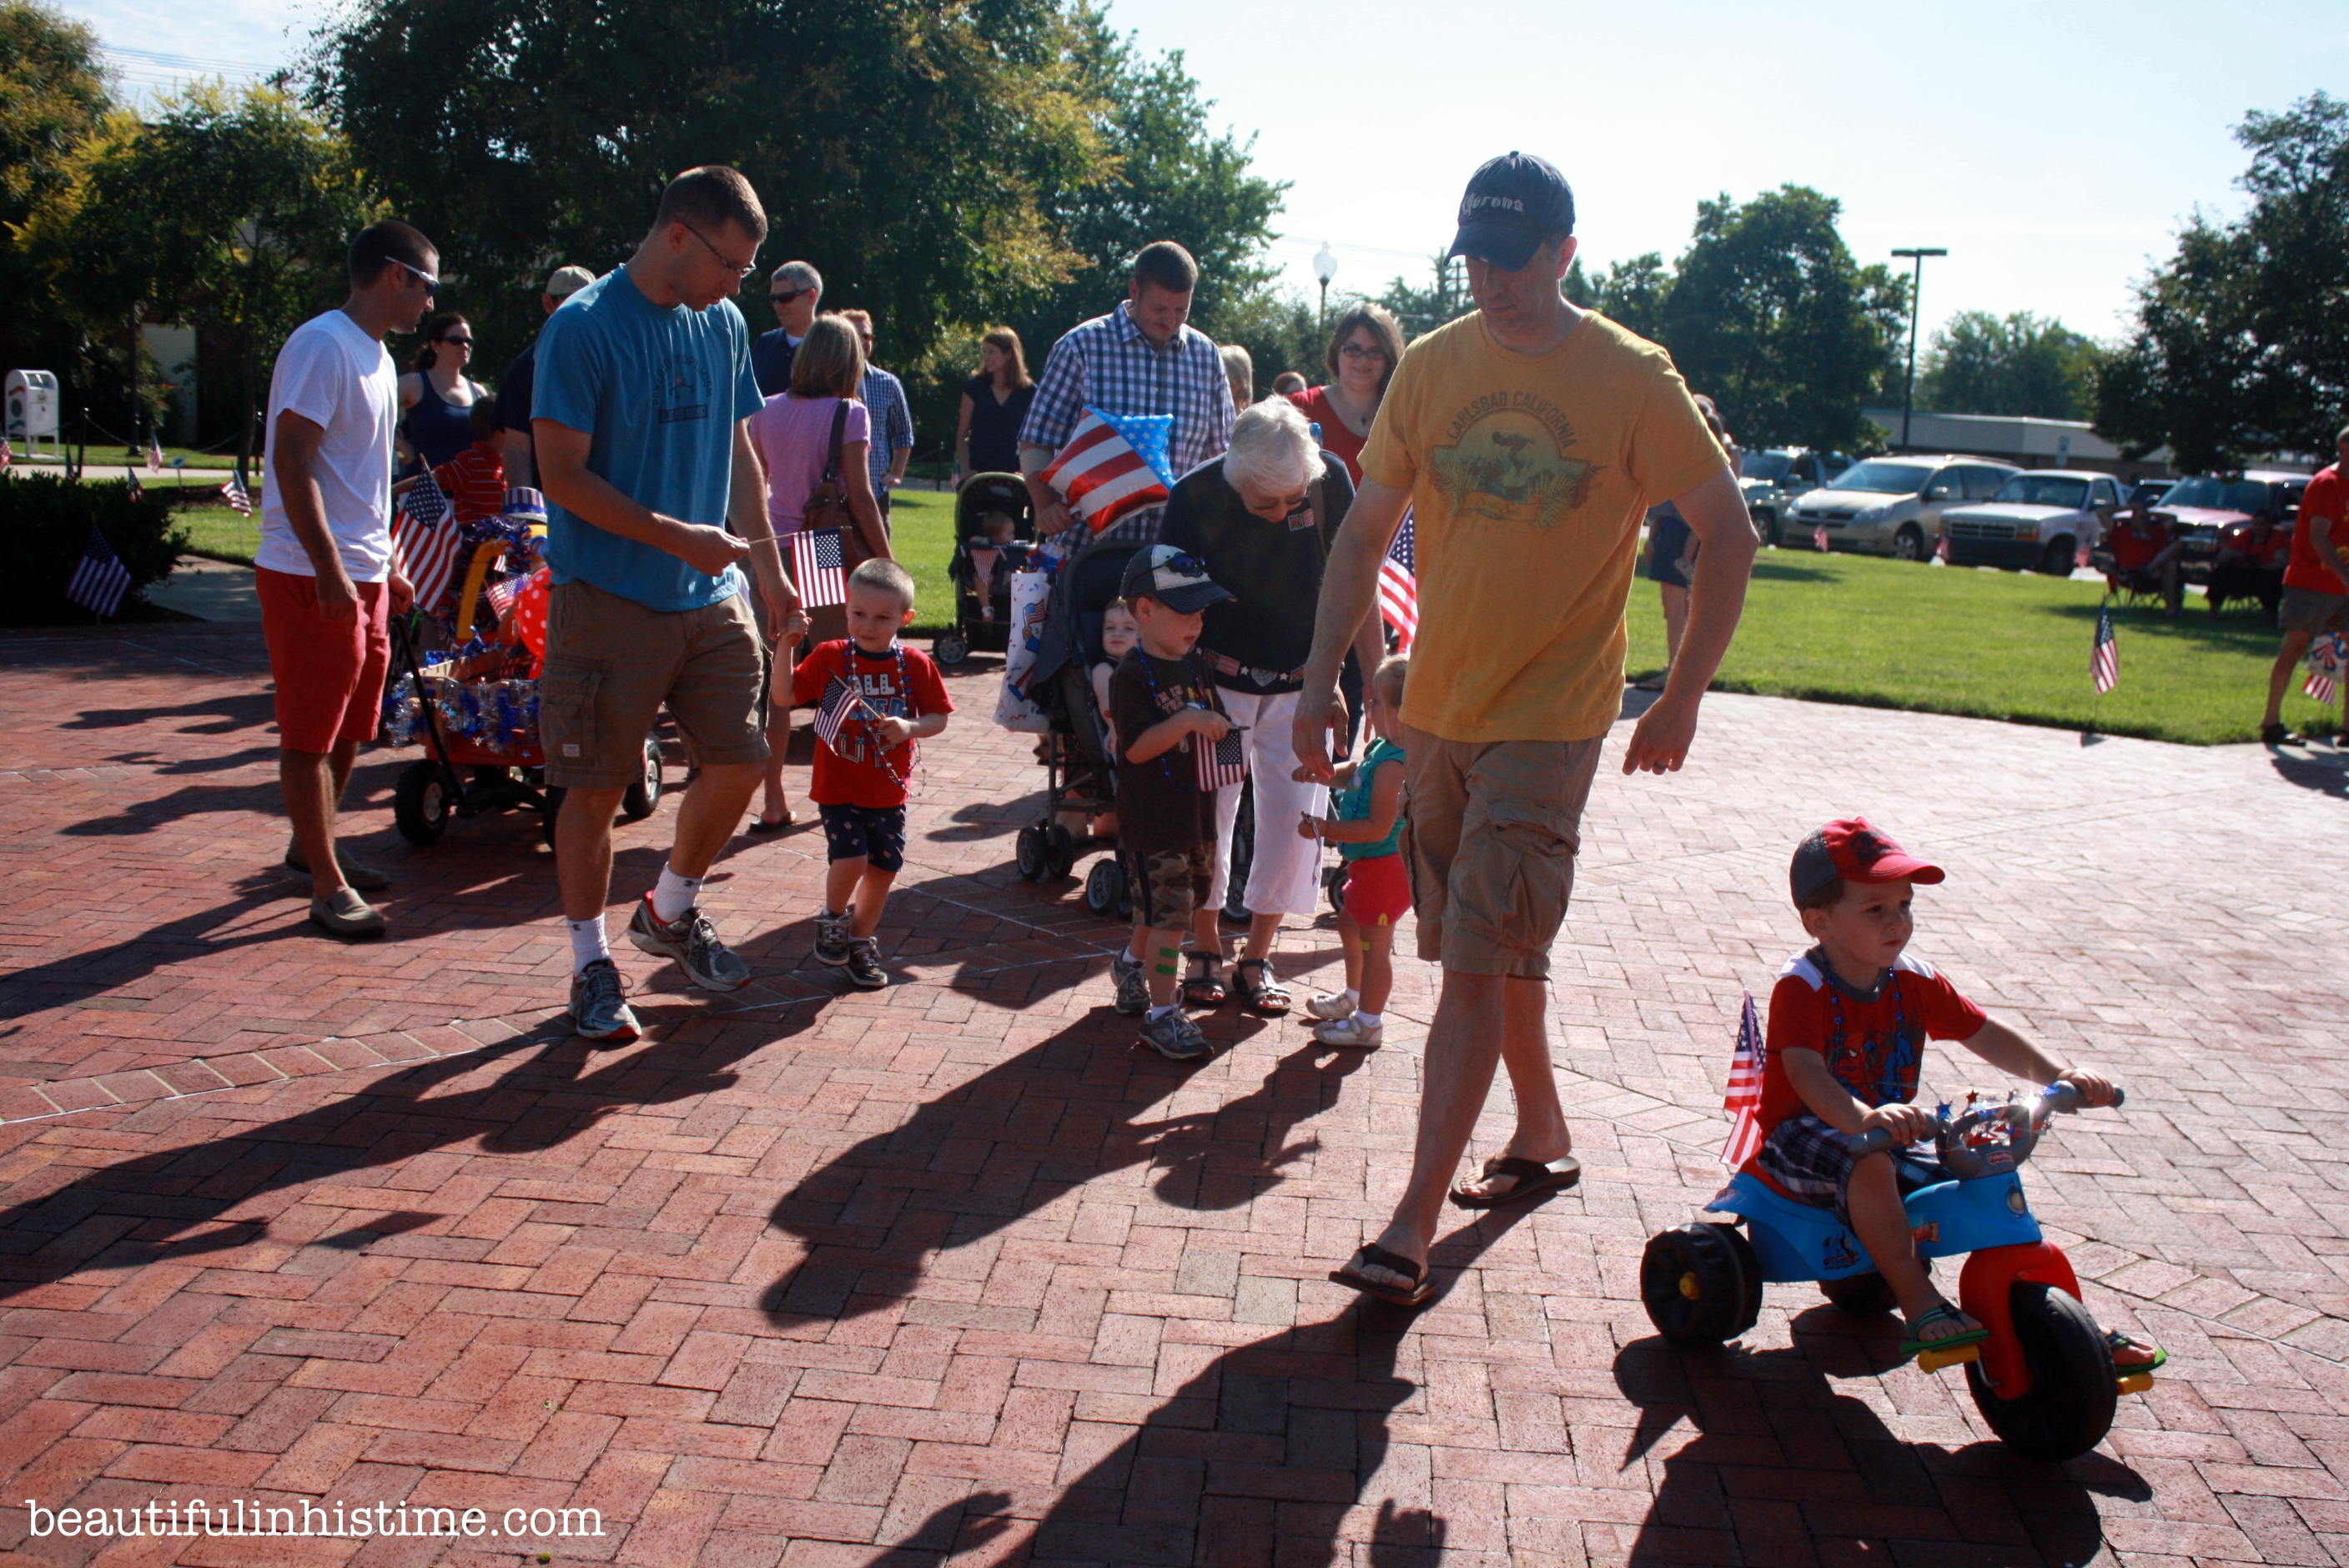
[514, 390]
[1528, 439]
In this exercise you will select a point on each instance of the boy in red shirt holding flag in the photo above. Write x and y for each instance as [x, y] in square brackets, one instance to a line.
[874, 698]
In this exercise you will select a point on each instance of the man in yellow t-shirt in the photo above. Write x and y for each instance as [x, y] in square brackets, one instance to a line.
[1527, 439]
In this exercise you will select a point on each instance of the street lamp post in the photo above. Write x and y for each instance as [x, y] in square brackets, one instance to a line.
[1325, 267]
[1916, 292]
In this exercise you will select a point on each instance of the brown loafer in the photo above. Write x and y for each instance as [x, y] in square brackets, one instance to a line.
[366, 879]
[346, 915]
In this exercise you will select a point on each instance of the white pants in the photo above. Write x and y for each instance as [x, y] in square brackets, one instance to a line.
[1286, 878]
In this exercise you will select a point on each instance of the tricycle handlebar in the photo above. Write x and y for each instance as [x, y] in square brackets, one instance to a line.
[2023, 1120]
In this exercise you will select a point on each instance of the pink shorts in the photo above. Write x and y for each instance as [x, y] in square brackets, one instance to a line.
[329, 679]
[1378, 889]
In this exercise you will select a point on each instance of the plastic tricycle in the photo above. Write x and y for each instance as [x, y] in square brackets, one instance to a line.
[2043, 1379]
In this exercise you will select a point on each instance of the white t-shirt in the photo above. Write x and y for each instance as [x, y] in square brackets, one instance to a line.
[336, 375]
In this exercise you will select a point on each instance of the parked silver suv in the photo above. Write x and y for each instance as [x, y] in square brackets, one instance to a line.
[1772, 477]
[1892, 505]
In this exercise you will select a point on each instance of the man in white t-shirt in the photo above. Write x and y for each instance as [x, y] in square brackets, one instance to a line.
[325, 574]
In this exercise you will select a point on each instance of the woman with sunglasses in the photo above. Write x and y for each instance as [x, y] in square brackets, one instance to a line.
[1365, 346]
[435, 397]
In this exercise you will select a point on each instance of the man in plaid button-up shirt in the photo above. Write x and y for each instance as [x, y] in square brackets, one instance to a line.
[1141, 358]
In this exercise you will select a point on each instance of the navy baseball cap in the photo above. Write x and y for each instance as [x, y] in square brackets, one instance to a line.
[1175, 577]
[1511, 204]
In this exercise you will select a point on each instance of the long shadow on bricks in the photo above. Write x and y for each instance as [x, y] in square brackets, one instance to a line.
[1784, 1468]
[1265, 1457]
[1014, 1139]
[174, 1203]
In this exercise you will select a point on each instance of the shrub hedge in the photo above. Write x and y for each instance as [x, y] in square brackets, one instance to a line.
[44, 523]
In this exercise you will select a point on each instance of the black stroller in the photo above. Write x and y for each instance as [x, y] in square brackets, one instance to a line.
[983, 601]
[1080, 774]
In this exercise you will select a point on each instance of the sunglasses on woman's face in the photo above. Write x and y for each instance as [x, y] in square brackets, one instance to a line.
[466, 341]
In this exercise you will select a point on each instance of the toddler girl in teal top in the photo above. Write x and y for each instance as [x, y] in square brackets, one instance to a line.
[1366, 824]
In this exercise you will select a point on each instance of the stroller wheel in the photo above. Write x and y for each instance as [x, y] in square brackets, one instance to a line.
[950, 648]
[1105, 887]
[1030, 850]
[1060, 851]
[643, 795]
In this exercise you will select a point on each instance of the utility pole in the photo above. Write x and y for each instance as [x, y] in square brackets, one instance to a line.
[1916, 293]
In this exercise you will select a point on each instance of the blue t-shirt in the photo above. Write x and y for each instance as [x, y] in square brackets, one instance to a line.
[658, 391]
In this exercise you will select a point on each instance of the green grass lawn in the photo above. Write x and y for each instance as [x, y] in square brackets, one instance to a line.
[1989, 645]
[1836, 628]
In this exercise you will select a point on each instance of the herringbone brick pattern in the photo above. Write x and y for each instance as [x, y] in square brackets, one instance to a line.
[951, 1272]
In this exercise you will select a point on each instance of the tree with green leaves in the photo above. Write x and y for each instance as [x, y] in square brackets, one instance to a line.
[53, 96]
[2015, 364]
[228, 214]
[1768, 314]
[2241, 345]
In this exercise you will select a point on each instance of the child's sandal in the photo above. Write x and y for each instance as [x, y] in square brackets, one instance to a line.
[2142, 1356]
[1204, 987]
[1917, 1344]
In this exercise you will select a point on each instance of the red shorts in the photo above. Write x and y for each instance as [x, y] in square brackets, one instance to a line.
[1378, 889]
[329, 679]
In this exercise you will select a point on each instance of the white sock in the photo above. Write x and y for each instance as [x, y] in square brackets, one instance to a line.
[588, 942]
[673, 895]
[1369, 1020]
[1353, 998]
[1158, 1012]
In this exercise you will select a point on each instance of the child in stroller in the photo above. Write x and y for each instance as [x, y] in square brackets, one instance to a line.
[995, 530]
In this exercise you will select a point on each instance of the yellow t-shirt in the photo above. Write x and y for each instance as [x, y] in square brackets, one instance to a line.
[1529, 477]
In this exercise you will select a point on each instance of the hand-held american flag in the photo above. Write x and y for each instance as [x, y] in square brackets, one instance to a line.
[1113, 464]
[239, 499]
[1223, 762]
[840, 702]
[1399, 586]
[2105, 658]
[2326, 657]
[819, 568]
[424, 542]
[1744, 1100]
[99, 579]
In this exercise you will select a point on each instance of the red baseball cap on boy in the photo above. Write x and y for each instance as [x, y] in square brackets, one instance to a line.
[1851, 848]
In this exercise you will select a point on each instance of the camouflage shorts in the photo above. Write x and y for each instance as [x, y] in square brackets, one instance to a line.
[1170, 886]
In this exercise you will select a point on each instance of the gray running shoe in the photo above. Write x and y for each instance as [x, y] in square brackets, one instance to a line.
[597, 1011]
[693, 942]
[832, 936]
[1133, 979]
[1175, 1037]
[864, 971]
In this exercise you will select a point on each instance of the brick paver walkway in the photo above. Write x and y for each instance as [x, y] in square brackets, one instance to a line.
[952, 1270]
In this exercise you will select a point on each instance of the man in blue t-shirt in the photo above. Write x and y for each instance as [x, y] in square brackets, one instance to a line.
[639, 419]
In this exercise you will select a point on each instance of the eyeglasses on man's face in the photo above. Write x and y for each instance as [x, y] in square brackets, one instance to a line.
[742, 269]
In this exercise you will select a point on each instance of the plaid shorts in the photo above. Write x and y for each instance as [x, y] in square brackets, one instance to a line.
[1811, 1163]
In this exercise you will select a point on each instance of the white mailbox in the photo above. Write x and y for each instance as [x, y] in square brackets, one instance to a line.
[31, 407]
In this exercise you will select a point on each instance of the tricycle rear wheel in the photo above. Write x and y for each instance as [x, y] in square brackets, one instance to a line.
[2072, 1389]
[1702, 1284]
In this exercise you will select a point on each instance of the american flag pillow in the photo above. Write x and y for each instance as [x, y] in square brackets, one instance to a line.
[1114, 465]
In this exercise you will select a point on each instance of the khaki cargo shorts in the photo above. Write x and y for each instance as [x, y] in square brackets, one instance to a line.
[1493, 828]
[611, 662]
[2314, 612]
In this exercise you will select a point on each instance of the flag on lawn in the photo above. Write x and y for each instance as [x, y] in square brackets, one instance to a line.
[1115, 464]
[839, 705]
[7, 453]
[2081, 559]
[131, 475]
[1223, 763]
[819, 569]
[154, 454]
[2105, 659]
[1819, 539]
[239, 499]
[1399, 586]
[1941, 549]
[99, 579]
[1744, 1100]
[424, 542]
[2326, 656]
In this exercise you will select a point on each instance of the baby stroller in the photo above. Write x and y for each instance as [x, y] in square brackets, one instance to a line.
[982, 599]
[1080, 774]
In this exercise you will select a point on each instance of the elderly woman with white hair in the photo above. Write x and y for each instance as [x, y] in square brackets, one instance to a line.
[1263, 516]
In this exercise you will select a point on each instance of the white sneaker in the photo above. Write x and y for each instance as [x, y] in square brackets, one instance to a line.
[1330, 1005]
[1350, 1031]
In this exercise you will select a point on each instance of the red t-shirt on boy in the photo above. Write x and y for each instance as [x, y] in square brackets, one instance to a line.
[475, 480]
[899, 684]
[1873, 1045]
[2320, 507]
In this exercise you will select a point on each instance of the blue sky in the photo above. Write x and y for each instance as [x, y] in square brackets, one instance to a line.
[2053, 149]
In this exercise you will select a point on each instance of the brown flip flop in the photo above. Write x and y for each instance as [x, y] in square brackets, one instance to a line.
[1535, 1180]
[1376, 1256]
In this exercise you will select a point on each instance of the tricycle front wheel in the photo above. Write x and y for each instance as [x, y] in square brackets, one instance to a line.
[2073, 1392]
